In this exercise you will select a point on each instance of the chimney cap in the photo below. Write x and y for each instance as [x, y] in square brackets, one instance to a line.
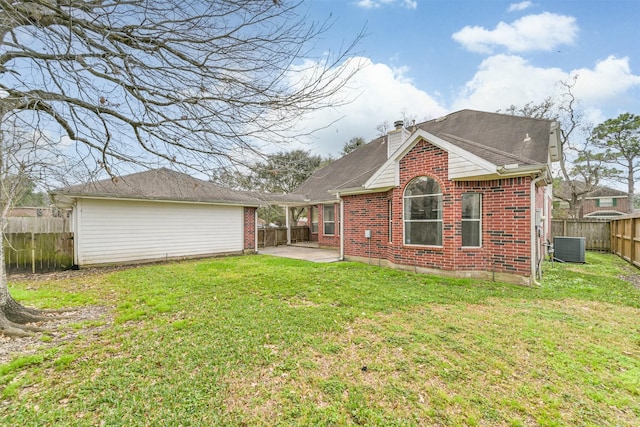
[398, 124]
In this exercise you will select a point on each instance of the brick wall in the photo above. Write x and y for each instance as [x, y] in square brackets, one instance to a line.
[505, 221]
[367, 212]
[329, 240]
[250, 229]
[591, 205]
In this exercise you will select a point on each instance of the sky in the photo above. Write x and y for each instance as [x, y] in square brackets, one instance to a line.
[425, 58]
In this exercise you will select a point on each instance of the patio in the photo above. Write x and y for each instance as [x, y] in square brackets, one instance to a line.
[308, 251]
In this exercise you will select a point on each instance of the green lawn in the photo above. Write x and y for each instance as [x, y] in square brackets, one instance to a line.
[257, 340]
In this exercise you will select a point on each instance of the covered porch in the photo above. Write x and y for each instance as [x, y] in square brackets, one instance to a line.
[297, 227]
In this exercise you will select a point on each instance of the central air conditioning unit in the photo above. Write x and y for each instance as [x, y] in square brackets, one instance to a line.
[569, 249]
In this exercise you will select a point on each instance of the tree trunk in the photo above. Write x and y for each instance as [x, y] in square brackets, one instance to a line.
[14, 318]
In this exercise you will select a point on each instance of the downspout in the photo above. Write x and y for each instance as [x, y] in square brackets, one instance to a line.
[341, 226]
[532, 215]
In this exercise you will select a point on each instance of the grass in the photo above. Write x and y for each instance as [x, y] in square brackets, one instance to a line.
[258, 340]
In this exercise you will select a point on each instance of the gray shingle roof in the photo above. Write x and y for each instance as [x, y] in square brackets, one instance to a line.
[498, 138]
[160, 184]
[495, 137]
[349, 171]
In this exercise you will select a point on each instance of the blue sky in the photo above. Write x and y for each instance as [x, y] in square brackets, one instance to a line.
[424, 58]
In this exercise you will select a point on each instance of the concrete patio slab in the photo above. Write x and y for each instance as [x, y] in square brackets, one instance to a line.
[302, 252]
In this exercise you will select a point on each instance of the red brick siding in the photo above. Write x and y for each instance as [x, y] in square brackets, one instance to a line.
[366, 212]
[329, 240]
[505, 220]
[250, 228]
[589, 206]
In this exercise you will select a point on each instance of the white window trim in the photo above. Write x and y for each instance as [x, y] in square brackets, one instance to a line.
[404, 220]
[479, 220]
[325, 222]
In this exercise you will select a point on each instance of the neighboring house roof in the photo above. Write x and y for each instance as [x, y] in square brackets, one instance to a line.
[492, 139]
[158, 184]
[563, 191]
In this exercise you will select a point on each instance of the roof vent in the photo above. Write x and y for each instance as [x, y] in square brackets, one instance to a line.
[527, 138]
[441, 119]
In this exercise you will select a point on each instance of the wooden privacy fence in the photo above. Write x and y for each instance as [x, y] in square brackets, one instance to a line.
[597, 232]
[625, 238]
[38, 252]
[37, 245]
[278, 236]
[36, 225]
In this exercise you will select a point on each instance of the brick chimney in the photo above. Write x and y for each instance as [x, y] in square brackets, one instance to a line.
[396, 137]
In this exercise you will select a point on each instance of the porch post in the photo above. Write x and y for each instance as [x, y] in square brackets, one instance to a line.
[288, 223]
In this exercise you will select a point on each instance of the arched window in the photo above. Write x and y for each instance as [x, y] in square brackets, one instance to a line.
[423, 212]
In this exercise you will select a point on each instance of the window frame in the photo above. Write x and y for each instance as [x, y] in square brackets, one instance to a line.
[478, 220]
[329, 208]
[439, 216]
[606, 202]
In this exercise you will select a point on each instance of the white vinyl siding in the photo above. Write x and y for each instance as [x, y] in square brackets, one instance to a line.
[111, 231]
[384, 177]
[459, 167]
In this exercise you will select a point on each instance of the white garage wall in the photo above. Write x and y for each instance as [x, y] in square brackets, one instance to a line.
[111, 231]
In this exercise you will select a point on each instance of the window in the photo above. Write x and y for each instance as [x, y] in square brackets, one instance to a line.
[390, 212]
[423, 212]
[471, 220]
[607, 202]
[329, 220]
[314, 219]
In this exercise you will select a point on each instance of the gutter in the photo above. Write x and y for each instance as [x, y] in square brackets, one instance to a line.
[517, 170]
[60, 198]
[359, 190]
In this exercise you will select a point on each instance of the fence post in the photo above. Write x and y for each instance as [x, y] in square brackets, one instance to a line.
[33, 253]
[633, 255]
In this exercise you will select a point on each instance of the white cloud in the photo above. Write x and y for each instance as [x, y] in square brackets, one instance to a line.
[545, 32]
[374, 4]
[517, 7]
[610, 78]
[505, 80]
[380, 94]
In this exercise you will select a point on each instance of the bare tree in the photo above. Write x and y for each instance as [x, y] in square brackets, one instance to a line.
[581, 168]
[192, 83]
[24, 158]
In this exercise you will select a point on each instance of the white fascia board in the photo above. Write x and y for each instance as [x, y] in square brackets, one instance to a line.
[555, 144]
[438, 142]
[190, 202]
[360, 190]
[524, 170]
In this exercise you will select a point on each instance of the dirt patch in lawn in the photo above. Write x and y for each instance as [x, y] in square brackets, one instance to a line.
[634, 279]
[63, 327]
